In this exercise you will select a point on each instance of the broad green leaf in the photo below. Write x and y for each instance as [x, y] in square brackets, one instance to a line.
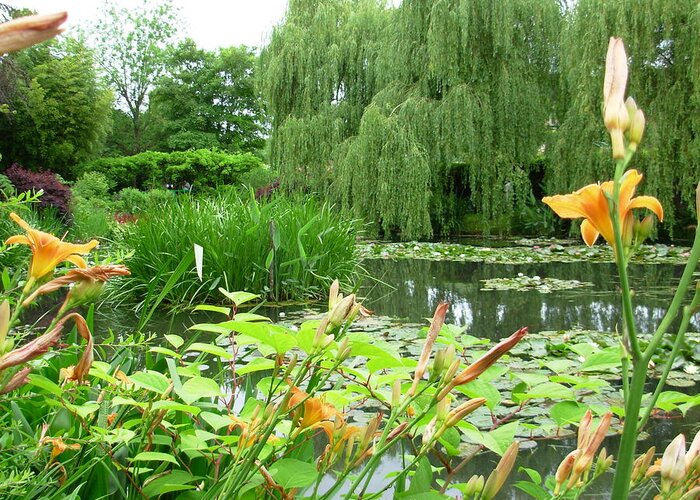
[548, 390]
[250, 317]
[216, 420]
[119, 435]
[119, 400]
[197, 388]
[146, 456]
[256, 365]
[480, 389]
[175, 406]
[151, 381]
[43, 383]
[669, 400]
[239, 298]
[218, 309]
[500, 438]
[602, 360]
[292, 473]
[165, 351]
[175, 340]
[422, 478]
[567, 412]
[212, 349]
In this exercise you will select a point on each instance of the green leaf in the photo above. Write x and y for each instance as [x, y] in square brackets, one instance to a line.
[533, 490]
[212, 349]
[199, 387]
[175, 406]
[239, 298]
[175, 340]
[204, 307]
[548, 390]
[216, 420]
[602, 360]
[151, 381]
[173, 481]
[146, 456]
[500, 438]
[567, 412]
[256, 365]
[422, 478]
[43, 383]
[292, 473]
[165, 351]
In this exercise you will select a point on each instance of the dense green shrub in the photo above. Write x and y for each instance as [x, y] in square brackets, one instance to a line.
[282, 249]
[91, 218]
[201, 168]
[92, 185]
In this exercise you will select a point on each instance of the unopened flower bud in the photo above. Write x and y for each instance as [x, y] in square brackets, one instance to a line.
[641, 465]
[603, 463]
[456, 415]
[645, 228]
[341, 310]
[564, 470]
[4, 321]
[628, 229]
[344, 349]
[636, 129]
[474, 486]
[673, 464]
[442, 409]
[499, 475]
[396, 394]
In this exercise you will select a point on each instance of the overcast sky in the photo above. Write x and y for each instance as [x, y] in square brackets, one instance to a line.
[211, 23]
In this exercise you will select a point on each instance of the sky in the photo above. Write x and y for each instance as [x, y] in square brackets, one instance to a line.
[210, 23]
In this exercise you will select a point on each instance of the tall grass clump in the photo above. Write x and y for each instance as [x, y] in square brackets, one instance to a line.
[282, 249]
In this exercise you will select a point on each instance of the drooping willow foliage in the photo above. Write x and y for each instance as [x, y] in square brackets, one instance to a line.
[663, 45]
[407, 116]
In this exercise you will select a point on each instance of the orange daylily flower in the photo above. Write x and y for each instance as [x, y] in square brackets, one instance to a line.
[313, 410]
[58, 446]
[591, 204]
[47, 250]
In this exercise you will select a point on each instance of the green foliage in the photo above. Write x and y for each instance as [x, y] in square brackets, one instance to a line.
[201, 168]
[409, 105]
[59, 111]
[131, 201]
[91, 185]
[259, 177]
[91, 218]
[282, 249]
[132, 47]
[207, 101]
[662, 37]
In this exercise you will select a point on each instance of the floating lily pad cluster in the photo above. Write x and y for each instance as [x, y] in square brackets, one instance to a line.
[527, 252]
[524, 283]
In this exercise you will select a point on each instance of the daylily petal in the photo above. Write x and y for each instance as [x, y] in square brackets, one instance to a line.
[589, 233]
[565, 206]
[77, 260]
[648, 202]
[628, 185]
[18, 239]
[20, 222]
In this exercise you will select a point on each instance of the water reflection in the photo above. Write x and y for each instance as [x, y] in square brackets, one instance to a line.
[421, 284]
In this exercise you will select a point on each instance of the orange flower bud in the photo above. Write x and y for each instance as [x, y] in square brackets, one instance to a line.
[499, 475]
[673, 464]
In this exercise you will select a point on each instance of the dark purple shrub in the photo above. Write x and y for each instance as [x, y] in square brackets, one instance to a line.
[56, 194]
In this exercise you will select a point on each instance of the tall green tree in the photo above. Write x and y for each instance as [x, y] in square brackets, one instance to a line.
[132, 45]
[207, 99]
[393, 111]
[58, 112]
[664, 60]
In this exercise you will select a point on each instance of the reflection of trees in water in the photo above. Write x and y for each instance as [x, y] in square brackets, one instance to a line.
[422, 284]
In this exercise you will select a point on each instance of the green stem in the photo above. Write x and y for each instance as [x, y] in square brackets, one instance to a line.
[688, 312]
[625, 460]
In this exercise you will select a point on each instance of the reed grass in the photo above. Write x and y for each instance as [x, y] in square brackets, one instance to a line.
[282, 249]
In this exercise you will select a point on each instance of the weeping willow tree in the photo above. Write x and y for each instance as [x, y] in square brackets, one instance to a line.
[663, 45]
[392, 111]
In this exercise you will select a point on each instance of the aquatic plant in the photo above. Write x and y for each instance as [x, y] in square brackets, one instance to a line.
[282, 249]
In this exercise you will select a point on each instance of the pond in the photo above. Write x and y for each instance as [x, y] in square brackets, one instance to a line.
[404, 293]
